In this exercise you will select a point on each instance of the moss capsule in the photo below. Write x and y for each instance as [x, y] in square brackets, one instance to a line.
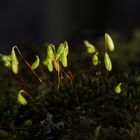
[107, 62]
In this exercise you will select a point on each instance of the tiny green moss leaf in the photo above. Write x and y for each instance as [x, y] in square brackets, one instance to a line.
[15, 63]
[90, 47]
[36, 63]
[21, 99]
[107, 62]
[109, 42]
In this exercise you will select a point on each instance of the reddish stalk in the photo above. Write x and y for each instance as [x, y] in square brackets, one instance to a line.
[43, 73]
[59, 80]
[68, 77]
[35, 74]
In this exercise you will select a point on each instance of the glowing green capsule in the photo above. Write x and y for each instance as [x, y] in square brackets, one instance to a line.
[95, 59]
[109, 42]
[62, 53]
[6, 59]
[15, 62]
[21, 99]
[36, 63]
[64, 59]
[107, 62]
[60, 50]
[50, 51]
[90, 47]
[66, 48]
[49, 63]
[118, 88]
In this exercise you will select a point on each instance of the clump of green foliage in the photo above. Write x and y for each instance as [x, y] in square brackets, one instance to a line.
[103, 104]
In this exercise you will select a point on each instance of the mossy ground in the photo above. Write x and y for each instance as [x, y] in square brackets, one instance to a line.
[88, 110]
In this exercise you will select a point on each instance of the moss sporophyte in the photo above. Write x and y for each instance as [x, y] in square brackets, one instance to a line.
[55, 60]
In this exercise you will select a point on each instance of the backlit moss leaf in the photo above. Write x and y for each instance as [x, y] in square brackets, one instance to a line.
[90, 47]
[60, 50]
[15, 62]
[107, 62]
[3, 133]
[21, 99]
[50, 52]
[95, 59]
[36, 63]
[109, 42]
[28, 123]
[118, 88]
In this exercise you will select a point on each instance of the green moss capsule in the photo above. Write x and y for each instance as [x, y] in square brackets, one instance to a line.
[49, 63]
[62, 53]
[118, 88]
[21, 99]
[60, 50]
[66, 48]
[90, 47]
[107, 62]
[6, 59]
[36, 63]
[95, 59]
[15, 62]
[64, 59]
[109, 42]
[50, 52]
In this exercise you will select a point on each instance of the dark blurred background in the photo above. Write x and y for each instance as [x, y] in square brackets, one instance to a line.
[34, 22]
